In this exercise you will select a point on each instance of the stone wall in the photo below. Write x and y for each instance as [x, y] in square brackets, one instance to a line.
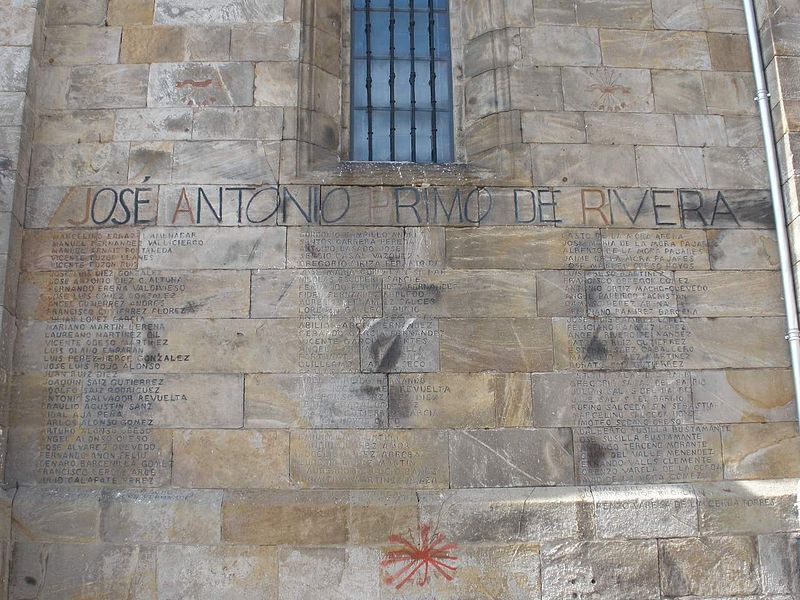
[246, 368]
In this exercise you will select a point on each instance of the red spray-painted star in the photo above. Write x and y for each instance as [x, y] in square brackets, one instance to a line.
[416, 558]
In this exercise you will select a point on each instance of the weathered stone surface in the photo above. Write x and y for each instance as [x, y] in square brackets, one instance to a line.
[561, 294]
[71, 127]
[424, 248]
[636, 14]
[727, 294]
[533, 248]
[199, 12]
[65, 250]
[246, 162]
[308, 293]
[583, 164]
[668, 166]
[250, 123]
[649, 455]
[655, 49]
[203, 248]
[701, 130]
[679, 92]
[276, 41]
[252, 346]
[744, 249]
[107, 86]
[505, 345]
[298, 518]
[150, 162]
[226, 458]
[630, 294]
[655, 249]
[396, 345]
[742, 396]
[439, 400]
[729, 93]
[703, 566]
[81, 45]
[200, 84]
[623, 128]
[763, 451]
[513, 400]
[459, 294]
[644, 511]
[508, 515]
[130, 12]
[747, 507]
[18, 24]
[610, 399]
[375, 515]
[14, 71]
[276, 83]
[714, 15]
[316, 401]
[52, 514]
[51, 571]
[66, 12]
[560, 46]
[736, 167]
[153, 124]
[614, 569]
[146, 44]
[351, 572]
[83, 164]
[345, 248]
[511, 457]
[779, 562]
[161, 516]
[224, 572]
[342, 459]
[607, 89]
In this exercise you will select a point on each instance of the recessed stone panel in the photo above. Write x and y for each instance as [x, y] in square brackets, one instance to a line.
[345, 248]
[609, 399]
[459, 294]
[400, 345]
[316, 401]
[314, 294]
[72, 250]
[630, 294]
[655, 249]
[342, 459]
[606, 455]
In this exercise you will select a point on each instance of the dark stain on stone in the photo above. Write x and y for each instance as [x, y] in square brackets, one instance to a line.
[31, 580]
[371, 390]
[596, 350]
[191, 307]
[595, 453]
[312, 250]
[5, 163]
[391, 347]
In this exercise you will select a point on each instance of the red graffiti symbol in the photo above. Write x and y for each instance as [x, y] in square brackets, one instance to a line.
[416, 558]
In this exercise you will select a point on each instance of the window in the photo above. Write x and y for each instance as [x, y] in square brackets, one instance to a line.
[402, 108]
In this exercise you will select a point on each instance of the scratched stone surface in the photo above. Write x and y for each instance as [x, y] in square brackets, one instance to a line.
[236, 365]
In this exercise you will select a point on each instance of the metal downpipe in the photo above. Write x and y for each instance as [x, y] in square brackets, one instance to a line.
[787, 276]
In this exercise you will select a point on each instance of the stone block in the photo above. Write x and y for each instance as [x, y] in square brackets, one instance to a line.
[82, 45]
[210, 43]
[604, 569]
[560, 12]
[645, 511]
[709, 566]
[424, 248]
[743, 132]
[655, 49]
[161, 516]
[203, 12]
[18, 25]
[631, 294]
[625, 14]
[561, 293]
[742, 249]
[212, 248]
[522, 248]
[150, 162]
[507, 515]
[736, 168]
[345, 248]
[107, 86]
[607, 89]
[701, 130]
[52, 87]
[761, 451]
[626, 128]
[441, 400]
[274, 41]
[51, 571]
[153, 124]
[316, 401]
[679, 92]
[75, 127]
[505, 345]
[655, 249]
[583, 164]
[743, 396]
[228, 459]
[257, 123]
[609, 399]
[459, 294]
[511, 457]
[729, 52]
[130, 12]
[276, 83]
[56, 514]
[375, 515]
[747, 507]
[489, 51]
[80, 164]
[347, 459]
[779, 563]
[12, 106]
[531, 87]
[200, 84]
[699, 15]
[671, 167]
[560, 46]
[351, 572]
[152, 44]
[729, 93]
[251, 346]
[296, 518]
[513, 400]
[729, 294]
[547, 127]
[69, 12]
[396, 345]
[323, 293]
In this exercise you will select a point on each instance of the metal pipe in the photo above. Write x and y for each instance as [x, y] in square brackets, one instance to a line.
[787, 276]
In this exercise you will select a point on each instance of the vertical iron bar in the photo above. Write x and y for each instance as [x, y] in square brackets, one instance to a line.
[391, 81]
[412, 80]
[368, 31]
[432, 44]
